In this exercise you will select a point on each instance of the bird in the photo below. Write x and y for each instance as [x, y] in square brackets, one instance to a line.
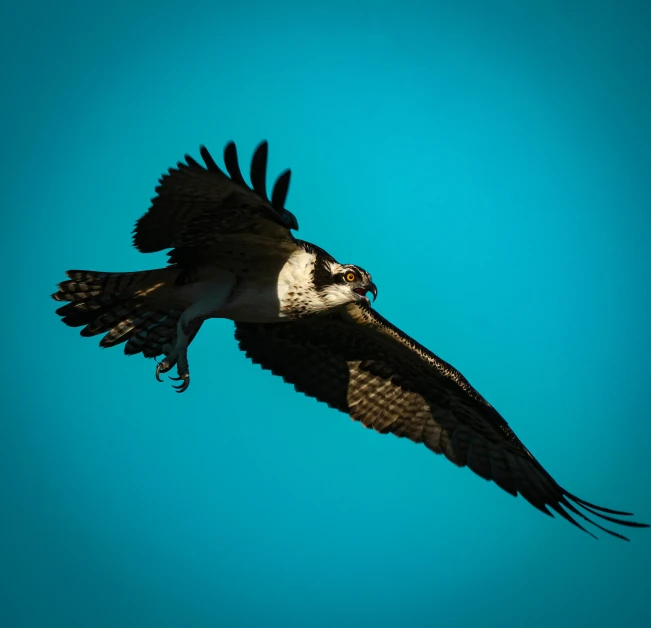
[303, 316]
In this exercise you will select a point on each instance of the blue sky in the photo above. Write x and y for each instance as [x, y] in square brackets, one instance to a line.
[488, 165]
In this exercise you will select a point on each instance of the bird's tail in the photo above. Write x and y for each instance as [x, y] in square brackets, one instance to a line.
[136, 308]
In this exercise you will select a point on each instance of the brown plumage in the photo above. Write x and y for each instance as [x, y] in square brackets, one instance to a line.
[199, 206]
[136, 308]
[357, 362]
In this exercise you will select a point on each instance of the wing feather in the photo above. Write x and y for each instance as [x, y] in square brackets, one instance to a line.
[356, 361]
[259, 170]
[211, 166]
[280, 189]
[199, 206]
[232, 163]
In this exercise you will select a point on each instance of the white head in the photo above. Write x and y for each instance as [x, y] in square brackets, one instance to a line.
[339, 284]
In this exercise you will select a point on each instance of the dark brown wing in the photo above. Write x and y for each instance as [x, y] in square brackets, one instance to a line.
[199, 206]
[359, 363]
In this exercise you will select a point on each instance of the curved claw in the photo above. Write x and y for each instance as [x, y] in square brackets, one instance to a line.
[162, 367]
[159, 368]
[184, 385]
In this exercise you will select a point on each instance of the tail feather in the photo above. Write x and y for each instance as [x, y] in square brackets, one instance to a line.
[118, 315]
[126, 307]
[126, 327]
[151, 339]
[85, 284]
[81, 312]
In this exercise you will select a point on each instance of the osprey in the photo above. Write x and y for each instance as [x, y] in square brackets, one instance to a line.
[302, 315]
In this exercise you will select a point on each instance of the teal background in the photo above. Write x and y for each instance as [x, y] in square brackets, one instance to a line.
[487, 162]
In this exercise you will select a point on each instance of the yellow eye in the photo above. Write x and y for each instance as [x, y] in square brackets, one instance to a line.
[350, 276]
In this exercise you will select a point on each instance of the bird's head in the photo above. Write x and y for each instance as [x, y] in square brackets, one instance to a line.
[347, 283]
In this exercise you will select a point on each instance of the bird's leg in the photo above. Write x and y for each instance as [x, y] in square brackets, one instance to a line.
[209, 298]
[178, 354]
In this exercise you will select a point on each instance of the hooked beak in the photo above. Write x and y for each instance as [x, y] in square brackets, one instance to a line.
[370, 287]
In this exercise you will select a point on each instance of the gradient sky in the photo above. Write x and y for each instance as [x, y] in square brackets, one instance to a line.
[489, 165]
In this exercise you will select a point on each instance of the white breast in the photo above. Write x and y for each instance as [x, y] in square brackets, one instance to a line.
[270, 298]
[296, 277]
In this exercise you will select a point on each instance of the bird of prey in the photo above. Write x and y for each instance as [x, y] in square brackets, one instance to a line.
[302, 315]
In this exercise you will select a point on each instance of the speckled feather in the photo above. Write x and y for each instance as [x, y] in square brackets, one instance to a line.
[108, 303]
[359, 363]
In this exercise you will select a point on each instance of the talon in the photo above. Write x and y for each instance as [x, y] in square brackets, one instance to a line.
[162, 367]
[184, 386]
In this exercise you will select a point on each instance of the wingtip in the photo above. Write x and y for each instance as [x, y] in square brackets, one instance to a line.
[583, 504]
[191, 161]
[231, 162]
[258, 172]
[211, 165]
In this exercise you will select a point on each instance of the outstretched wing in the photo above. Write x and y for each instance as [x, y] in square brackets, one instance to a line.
[197, 207]
[359, 363]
